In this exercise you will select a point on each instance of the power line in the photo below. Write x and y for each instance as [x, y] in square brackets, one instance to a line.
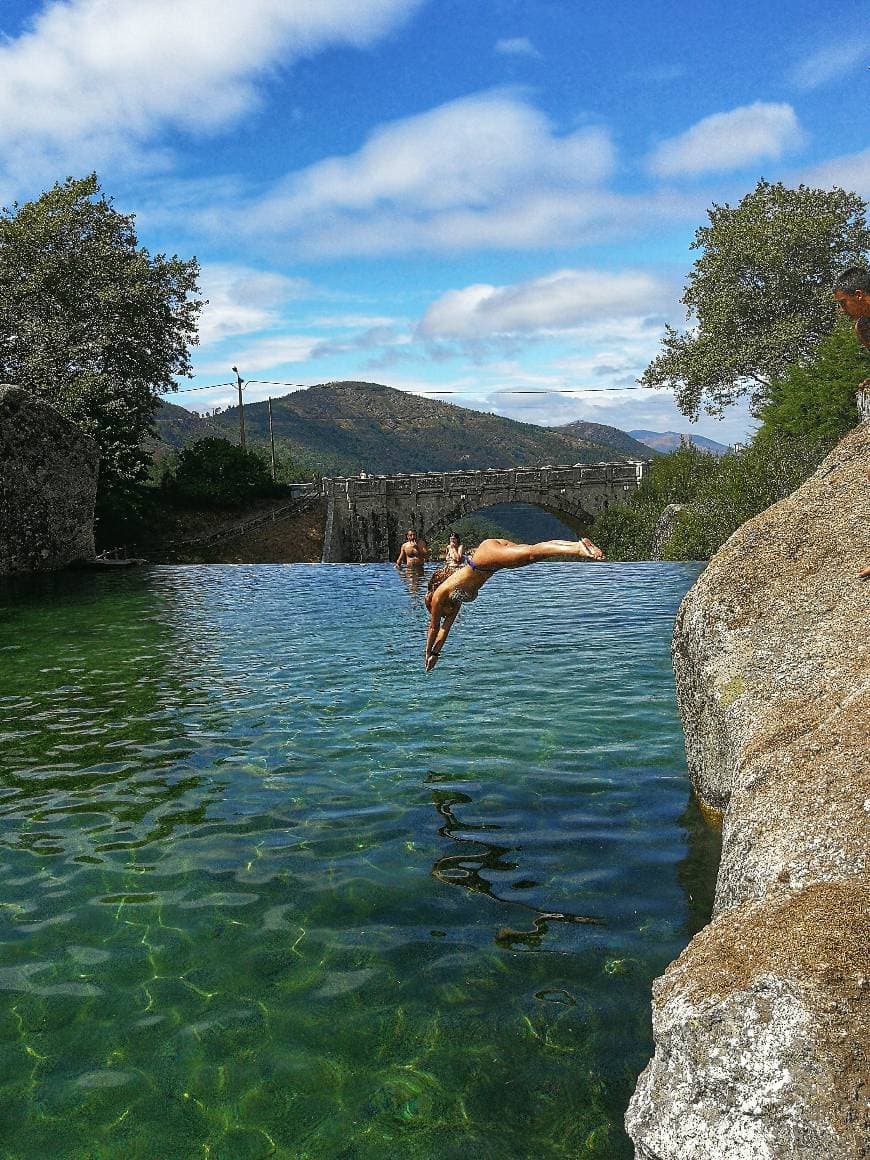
[427, 391]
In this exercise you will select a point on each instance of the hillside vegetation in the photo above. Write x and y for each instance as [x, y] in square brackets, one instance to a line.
[601, 433]
[348, 427]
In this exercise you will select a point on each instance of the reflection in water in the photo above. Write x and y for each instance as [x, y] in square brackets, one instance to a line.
[415, 581]
[98, 760]
[697, 872]
[469, 868]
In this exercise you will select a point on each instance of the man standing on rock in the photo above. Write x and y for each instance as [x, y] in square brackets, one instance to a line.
[852, 291]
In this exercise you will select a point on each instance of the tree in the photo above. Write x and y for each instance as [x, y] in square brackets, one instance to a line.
[90, 321]
[216, 473]
[816, 401]
[745, 483]
[626, 531]
[760, 294]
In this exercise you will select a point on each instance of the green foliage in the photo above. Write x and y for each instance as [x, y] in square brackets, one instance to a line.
[745, 483]
[760, 294]
[289, 466]
[816, 401]
[625, 531]
[132, 516]
[471, 531]
[90, 321]
[811, 407]
[217, 473]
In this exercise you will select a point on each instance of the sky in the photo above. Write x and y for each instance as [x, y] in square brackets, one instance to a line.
[486, 201]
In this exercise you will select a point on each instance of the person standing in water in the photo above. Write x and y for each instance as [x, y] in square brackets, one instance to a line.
[449, 590]
[413, 553]
[454, 552]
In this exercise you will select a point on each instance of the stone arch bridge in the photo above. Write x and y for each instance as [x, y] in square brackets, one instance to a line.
[367, 516]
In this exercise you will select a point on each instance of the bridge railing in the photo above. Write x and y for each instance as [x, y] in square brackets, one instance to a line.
[356, 487]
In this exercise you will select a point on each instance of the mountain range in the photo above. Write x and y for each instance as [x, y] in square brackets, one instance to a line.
[348, 427]
[664, 441]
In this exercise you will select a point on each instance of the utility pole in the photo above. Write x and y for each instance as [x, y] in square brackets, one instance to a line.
[241, 383]
[272, 438]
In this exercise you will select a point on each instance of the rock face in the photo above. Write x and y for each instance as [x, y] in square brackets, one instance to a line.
[48, 483]
[761, 1026]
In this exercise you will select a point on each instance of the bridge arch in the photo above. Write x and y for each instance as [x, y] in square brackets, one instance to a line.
[576, 518]
[367, 517]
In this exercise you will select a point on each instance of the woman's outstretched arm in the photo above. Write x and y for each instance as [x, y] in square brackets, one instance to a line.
[437, 633]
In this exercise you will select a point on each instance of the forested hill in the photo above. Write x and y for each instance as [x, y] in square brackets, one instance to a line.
[352, 427]
[610, 436]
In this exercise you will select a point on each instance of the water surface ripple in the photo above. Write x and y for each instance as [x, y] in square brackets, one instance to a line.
[270, 890]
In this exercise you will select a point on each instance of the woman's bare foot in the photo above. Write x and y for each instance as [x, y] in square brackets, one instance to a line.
[592, 550]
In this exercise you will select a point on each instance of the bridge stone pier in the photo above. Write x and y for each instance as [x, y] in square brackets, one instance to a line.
[367, 517]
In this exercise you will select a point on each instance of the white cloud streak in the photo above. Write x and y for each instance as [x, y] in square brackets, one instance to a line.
[467, 153]
[516, 46]
[725, 141]
[482, 171]
[851, 172]
[831, 62]
[555, 302]
[102, 78]
[243, 301]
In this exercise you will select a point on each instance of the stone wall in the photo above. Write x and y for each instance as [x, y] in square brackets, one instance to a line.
[761, 1025]
[48, 482]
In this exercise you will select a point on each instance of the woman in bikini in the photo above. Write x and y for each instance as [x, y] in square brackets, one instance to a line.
[453, 553]
[449, 590]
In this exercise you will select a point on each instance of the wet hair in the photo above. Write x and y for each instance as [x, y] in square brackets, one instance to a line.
[435, 580]
[438, 577]
[853, 279]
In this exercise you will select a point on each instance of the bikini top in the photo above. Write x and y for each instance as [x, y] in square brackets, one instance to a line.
[461, 596]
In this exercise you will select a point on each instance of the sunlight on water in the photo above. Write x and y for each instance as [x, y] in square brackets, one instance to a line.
[269, 890]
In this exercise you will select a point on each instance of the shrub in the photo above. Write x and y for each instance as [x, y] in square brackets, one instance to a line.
[217, 473]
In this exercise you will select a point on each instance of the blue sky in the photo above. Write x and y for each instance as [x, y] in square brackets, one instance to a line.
[472, 197]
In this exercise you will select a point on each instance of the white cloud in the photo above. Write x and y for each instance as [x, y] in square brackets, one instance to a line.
[831, 62]
[468, 152]
[633, 410]
[257, 356]
[516, 46]
[482, 170]
[97, 78]
[559, 301]
[243, 300]
[724, 141]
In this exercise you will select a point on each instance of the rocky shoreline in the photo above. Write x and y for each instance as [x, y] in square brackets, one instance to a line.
[762, 1048]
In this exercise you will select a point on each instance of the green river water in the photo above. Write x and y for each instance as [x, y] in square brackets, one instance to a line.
[267, 889]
